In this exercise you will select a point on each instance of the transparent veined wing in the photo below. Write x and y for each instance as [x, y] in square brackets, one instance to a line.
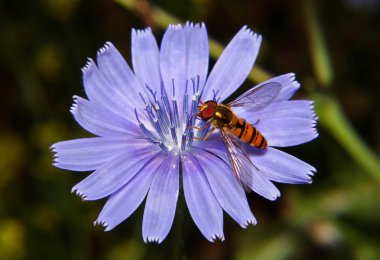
[240, 163]
[258, 97]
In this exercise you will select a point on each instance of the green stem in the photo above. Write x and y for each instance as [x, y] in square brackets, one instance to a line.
[318, 46]
[333, 118]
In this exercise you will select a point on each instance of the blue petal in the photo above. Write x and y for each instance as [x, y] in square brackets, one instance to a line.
[289, 85]
[99, 91]
[260, 184]
[89, 153]
[224, 185]
[161, 201]
[263, 186]
[213, 143]
[282, 167]
[197, 53]
[173, 60]
[124, 202]
[146, 58]
[281, 109]
[203, 206]
[282, 132]
[234, 65]
[119, 75]
[117, 172]
[101, 121]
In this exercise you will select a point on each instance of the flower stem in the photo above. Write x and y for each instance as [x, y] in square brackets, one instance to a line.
[318, 47]
[332, 117]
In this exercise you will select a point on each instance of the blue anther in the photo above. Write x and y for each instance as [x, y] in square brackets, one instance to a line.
[174, 134]
[176, 115]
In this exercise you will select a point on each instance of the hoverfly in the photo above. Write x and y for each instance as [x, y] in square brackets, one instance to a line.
[235, 131]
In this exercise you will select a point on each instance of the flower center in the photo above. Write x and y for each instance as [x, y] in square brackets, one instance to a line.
[170, 125]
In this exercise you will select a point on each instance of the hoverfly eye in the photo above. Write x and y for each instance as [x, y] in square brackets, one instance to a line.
[208, 111]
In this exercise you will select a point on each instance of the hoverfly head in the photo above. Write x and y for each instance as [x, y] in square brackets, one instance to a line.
[207, 110]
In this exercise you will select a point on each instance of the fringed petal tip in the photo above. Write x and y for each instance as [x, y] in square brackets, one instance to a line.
[106, 47]
[274, 195]
[53, 148]
[74, 106]
[88, 66]
[55, 158]
[217, 237]
[104, 224]
[312, 171]
[175, 27]
[156, 240]
[249, 222]
[291, 81]
[141, 32]
[246, 30]
[195, 25]
[78, 193]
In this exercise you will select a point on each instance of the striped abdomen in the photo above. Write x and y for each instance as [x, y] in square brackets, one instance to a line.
[247, 133]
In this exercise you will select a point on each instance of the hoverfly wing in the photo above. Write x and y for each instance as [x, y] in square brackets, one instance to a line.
[258, 97]
[240, 163]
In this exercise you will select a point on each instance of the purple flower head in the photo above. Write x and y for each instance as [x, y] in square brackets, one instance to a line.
[143, 122]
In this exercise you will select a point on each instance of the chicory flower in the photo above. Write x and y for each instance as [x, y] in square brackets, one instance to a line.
[144, 140]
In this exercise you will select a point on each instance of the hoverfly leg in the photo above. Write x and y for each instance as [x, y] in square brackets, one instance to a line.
[209, 133]
[200, 128]
[207, 136]
[255, 123]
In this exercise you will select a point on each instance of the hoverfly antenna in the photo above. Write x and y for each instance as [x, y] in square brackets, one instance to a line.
[215, 93]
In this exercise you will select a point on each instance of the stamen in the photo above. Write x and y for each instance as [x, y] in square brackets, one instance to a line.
[174, 134]
[184, 109]
[163, 121]
[163, 147]
[165, 104]
[148, 109]
[142, 98]
[153, 93]
[184, 142]
[168, 122]
[173, 87]
[198, 80]
[158, 128]
[201, 133]
[190, 138]
[150, 136]
[194, 107]
[175, 110]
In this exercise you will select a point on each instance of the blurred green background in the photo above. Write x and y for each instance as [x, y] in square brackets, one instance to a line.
[332, 46]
